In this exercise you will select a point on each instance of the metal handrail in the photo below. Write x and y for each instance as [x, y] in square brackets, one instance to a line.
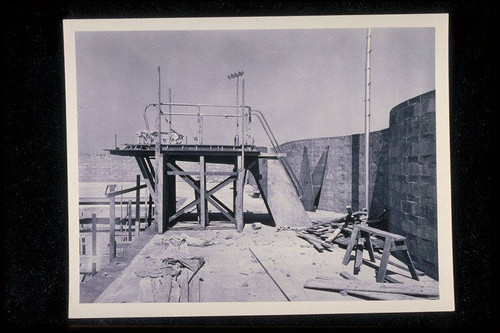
[277, 148]
[260, 116]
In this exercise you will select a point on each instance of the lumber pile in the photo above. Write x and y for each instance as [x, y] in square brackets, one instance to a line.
[322, 235]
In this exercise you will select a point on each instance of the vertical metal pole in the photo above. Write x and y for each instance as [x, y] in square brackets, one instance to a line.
[237, 102]
[112, 242]
[241, 167]
[94, 243]
[158, 174]
[170, 110]
[200, 127]
[367, 120]
[137, 205]
[242, 126]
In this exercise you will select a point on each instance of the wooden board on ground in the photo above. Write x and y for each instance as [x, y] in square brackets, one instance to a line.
[291, 291]
[421, 289]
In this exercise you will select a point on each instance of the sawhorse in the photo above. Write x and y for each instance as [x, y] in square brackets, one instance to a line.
[360, 237]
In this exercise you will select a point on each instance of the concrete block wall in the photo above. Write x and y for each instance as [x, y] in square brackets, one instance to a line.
[402, 175]
[412, 179]
[103, 167]
[344, 181]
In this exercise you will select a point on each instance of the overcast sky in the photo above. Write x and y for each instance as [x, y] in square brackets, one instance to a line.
[309, 83]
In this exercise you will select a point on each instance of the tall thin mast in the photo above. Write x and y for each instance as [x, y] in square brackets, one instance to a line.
[367, 119]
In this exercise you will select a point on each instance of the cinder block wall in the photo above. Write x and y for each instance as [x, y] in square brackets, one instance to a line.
[344, 181]
[103, 167]
[412, 178]
[402, 175]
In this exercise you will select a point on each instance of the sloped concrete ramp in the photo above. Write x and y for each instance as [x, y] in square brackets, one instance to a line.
[280, 196]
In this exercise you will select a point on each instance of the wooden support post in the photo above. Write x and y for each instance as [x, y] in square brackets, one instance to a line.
[238, 211]
[350, 246]
[203, 193]
[129, 214]
[385, 258]
[169, 189]
[369, 246]
[160, 191]
[150, 209]
[138, 206]
[146, 196]
[359, 255]
[94, 243]
[112, 242]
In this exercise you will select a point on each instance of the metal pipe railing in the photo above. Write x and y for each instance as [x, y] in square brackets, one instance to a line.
[260, 116]
[274, 143]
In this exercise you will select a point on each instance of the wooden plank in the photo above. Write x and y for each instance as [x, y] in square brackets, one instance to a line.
[127, 190]
[333, 235]
[291, 291]
[327, 246]
[390, 279]
[146, 290]
[315, 244]
[379, 232]
[381, 296]
[194, 173]
[348, 276]
[183, 279]
[342, 284]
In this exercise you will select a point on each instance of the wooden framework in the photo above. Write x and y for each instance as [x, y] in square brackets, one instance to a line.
[165, 186]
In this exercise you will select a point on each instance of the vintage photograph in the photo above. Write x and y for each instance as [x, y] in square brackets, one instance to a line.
[258, 166]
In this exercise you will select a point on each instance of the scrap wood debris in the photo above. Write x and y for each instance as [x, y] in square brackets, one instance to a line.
[166, 272]
[323, 234]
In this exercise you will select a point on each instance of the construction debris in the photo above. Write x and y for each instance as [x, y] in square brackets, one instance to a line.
[166, 273]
